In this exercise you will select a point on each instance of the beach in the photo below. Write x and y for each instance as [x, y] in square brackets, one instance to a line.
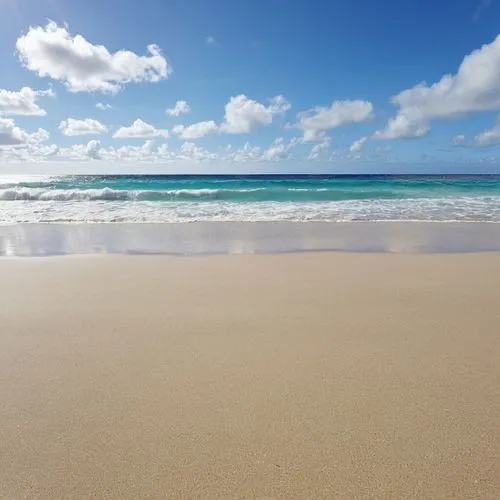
[303, 375]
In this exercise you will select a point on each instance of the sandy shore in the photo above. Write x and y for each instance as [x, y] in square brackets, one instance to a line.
[279, 376]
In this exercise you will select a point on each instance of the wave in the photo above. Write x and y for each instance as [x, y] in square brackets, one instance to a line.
[105, 194]
[204, 194]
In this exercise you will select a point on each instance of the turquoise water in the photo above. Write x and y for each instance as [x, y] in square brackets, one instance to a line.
[248, 198]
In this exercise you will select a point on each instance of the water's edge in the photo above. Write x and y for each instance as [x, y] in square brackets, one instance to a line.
[209, 238]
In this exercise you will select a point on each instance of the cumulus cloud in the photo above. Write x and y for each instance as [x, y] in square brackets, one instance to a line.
[279, 149]
[139, 129]
[489, 137]
[210, 40]
[52, 51]
[245, 153]
[92, 150]
[180, 108]
[401, 127]
[30, 152]
[72, 127]
[357, 146]
[242, 114]
[196, 130]
[192, 152]
[11, 135]
[315, 122]
[103, 106]
[474, 87]
[318, 149]
[22, 102]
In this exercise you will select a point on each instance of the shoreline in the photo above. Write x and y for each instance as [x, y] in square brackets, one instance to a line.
[212, 238]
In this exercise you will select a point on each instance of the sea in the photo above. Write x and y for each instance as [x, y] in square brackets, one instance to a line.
[252, 198]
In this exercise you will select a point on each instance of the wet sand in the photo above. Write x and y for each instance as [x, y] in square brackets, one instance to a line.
[308, 375]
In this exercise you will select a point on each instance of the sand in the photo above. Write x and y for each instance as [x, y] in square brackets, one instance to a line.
[280, 376]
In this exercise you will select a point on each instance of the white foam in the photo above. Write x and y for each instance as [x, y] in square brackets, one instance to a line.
[72, 209]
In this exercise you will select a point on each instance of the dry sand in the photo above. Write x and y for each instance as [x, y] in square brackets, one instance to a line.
[280, 376]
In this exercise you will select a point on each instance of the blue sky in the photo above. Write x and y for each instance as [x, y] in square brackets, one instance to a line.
[249, 86]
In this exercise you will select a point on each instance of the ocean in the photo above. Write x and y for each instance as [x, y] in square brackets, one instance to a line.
[164, 198]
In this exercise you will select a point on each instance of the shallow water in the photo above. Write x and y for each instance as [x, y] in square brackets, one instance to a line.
[157, 199]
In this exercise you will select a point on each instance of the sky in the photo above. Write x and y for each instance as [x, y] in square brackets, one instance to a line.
[249, 86]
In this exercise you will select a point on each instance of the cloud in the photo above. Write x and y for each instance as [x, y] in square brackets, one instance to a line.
[242, 114]
[180, 108]
[245, 153]
[139, 129]
[315, 122]
[475, 87]
[22, 102]
[11, 135]
[51, 51]
[489, 137]
[196, 130]
[459, 140]
[103, 107]
[29, 152]
[190, 151]
[401, 127]
[72, 127]
[319, 148]
[357, 146]
[279, 150]
[92, 150]
[210, 40]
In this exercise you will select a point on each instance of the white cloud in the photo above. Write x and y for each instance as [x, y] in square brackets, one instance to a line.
[401, 127]
[210, 40]
[489, 137]
[279, 149]
[29, 152]
[315, 122]
[475, 87]
[11, 135]
[22, 102]
[92, 150]
[180, 108]
[88, 126]
[196, 130]
[242, 114]
[190, 151]
[246, 153]
[319, 148]
[357, 146]
[459, 140]
[139, 129]
[51, 51]
[103, 107]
